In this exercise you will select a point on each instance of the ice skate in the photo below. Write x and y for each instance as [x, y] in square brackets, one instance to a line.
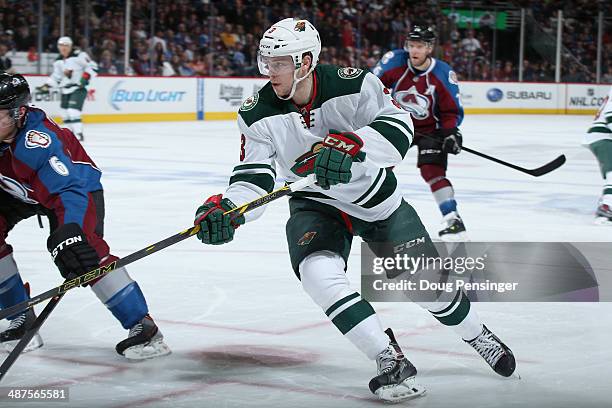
[454, 230]
[144, 341]
[17, 328]
[396, 379]
[603, 215]
[494, 351]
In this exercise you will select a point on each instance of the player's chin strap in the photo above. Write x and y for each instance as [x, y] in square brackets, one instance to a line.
[296, 80]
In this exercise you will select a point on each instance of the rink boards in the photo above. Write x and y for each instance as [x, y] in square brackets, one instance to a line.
[144, 99]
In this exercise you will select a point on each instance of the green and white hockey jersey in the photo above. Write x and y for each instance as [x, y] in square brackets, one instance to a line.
[279, 138]
[601, 128]
[67, 73]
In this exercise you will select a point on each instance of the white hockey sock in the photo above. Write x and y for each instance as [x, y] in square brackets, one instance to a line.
[77, 127]
[75, 121]
[456, 313]
[444, 194]
[8, 268]
[324, 280]
[606, 198]
[67, 123]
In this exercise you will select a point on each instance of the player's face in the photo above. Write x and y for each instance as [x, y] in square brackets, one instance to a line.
[64, 50]
[419, 52]
[7, 125]
[280, 70]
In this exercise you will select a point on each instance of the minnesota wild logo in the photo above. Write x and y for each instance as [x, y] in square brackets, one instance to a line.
[307, 238]
[250, 102]
[300, 26]
[304, 165]
[349, 72]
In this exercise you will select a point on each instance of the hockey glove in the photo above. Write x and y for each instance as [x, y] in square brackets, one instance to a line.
[452, 141]
[216, 228]
[71, 252]
[85, 79]
[43, 89]
[334, 160]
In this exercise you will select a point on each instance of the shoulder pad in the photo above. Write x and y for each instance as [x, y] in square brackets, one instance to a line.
[393, 59]
[260, 105]
[445, 72]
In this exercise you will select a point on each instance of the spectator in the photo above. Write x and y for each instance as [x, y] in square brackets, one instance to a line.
[158, 38]
[185, 68]
[106, 64]
[142, 65]
[348, 37]
[529, 74]
[6, 65]
[199, 66]
[24, 40]
[228, 37]
[471, 44]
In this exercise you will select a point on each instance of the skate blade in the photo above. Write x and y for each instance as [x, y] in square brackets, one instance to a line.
[406, 390]
[35, 343]
[147, 351]
[458, 237]
[602, 221]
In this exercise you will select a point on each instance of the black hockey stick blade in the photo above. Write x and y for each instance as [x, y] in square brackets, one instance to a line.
[547, 168]
[151, 249]
[537, 172]
[27, 337]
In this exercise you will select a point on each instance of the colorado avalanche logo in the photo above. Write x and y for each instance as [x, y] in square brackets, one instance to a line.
[37, 139]
[414, 102]
[16, 189]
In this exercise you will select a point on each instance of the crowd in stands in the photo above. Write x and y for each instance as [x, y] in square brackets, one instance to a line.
[220, 38]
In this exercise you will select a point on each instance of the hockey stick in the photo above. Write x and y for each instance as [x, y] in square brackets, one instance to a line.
[27, 337]
[537, 172]
[57, 293]
[151, 249]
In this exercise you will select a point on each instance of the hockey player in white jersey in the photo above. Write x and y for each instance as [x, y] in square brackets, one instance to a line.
[599, 140]
[343, 126]
[72, 72]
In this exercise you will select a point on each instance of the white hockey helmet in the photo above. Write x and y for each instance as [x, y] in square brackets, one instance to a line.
[64, 41]
[289, 37]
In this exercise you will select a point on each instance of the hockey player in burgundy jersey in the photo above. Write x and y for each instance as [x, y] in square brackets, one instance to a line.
[45, 171]
[428, 89]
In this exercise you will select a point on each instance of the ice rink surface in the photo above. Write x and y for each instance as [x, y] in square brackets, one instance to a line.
[242, 331]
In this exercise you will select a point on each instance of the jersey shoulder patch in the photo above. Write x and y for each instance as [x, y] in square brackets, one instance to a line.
[334, 81]
[37, 139]
[349, 72]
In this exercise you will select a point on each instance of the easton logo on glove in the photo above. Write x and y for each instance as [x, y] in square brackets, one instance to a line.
[65, 243]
